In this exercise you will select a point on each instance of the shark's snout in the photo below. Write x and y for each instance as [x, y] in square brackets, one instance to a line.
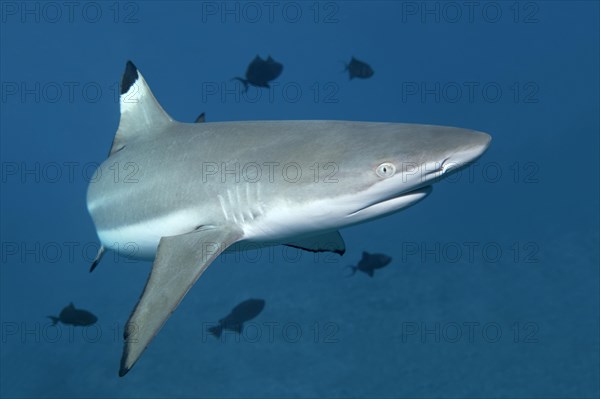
[441, 151]
[471, 147]
[461, 147]
[481, 142]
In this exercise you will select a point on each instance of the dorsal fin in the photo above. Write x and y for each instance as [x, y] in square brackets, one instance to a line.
[201, 118]
[141, 114]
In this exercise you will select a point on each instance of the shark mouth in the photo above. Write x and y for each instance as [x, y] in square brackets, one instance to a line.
[394, 203]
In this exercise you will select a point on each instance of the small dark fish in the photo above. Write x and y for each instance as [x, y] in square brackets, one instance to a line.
[234, 321]
[359, 69]
[76, 317]
[370, 262]
[260, 72]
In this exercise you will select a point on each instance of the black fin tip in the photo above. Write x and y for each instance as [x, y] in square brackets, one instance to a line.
[129, 77]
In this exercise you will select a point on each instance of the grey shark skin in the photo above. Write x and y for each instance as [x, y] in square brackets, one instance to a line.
[185, 192]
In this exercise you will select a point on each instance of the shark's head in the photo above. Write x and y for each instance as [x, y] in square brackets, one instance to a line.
[380, 168]
[398, 165]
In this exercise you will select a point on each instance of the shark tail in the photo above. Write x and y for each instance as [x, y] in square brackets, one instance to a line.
[244, 82]
[54, 319]
[216, 331]
[141, 114]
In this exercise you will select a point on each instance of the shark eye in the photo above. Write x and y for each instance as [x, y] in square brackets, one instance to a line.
[386, 170]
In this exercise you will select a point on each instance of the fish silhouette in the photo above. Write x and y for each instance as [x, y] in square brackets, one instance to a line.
[235, 320]
[359, 69]
[371, 262]
[260, 72]
[75, 317]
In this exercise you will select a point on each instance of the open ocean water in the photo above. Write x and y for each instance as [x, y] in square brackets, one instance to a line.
[493, 288]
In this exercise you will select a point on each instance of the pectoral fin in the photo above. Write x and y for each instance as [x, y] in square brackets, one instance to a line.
[180, 260]
[327, 242]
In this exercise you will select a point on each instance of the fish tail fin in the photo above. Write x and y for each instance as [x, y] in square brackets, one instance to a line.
[353, 268]
[54, 319]
[244, 82]
[216, 331]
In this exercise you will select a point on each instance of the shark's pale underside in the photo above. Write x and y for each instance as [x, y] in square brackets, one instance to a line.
[182, 193]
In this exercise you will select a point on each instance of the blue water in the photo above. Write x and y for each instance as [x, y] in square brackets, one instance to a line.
[493, 290]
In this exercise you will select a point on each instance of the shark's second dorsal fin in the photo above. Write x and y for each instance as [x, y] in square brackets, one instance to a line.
[141, 114]
[201, 118]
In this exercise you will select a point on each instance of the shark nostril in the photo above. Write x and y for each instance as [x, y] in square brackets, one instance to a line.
[444, 166]
[441, 169]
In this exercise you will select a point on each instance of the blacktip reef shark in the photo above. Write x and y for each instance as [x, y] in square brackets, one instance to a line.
[202, 188]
